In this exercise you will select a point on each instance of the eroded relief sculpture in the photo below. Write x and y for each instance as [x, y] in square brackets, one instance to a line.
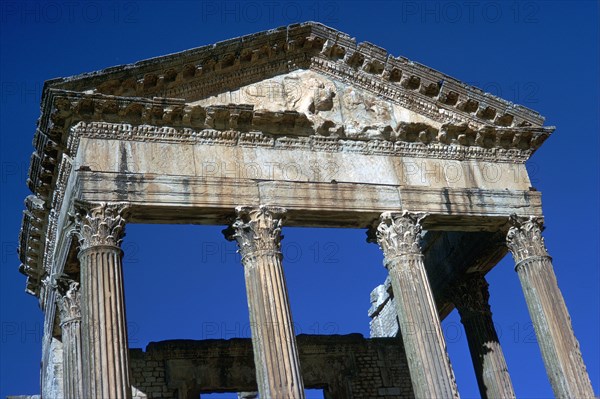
[296, 126]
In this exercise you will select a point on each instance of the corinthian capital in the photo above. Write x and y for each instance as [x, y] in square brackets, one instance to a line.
[100, 224]
[397, 233]
[524, 238]
[257, 229]
[471, 296]
[68, 301]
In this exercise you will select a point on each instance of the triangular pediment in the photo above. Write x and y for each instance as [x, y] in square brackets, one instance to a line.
[303, 86]
[227, 66]
[330, 106]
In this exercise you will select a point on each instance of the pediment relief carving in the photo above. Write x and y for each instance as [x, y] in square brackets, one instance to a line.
[203, 72]
[331, 107]
[305, 86]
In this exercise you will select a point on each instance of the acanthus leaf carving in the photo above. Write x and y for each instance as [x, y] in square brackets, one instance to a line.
[257, 230]
[68, 301]
[471, 296]
[524, 238]
[398, 234]
[100, 224]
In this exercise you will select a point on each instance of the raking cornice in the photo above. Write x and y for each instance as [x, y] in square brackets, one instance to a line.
[152, 99]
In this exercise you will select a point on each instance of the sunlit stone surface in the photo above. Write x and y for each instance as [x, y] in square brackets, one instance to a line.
[298, 126]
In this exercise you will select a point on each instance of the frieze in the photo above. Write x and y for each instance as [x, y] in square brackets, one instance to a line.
[201, 122]
[453, 150]
[136, 102]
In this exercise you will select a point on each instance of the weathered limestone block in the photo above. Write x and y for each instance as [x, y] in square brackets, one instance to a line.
[284, 158]
[383, 314]
[344, 366]
[52, 385]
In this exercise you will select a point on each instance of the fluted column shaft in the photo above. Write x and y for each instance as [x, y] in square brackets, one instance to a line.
[258, 234]
[398, 235]
[471, 298]
[104, 330]
[551, 321]
[70, 323]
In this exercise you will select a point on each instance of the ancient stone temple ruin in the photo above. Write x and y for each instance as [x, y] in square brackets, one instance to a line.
[432, 169]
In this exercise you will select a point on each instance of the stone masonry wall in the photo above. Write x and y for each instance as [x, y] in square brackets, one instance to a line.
[344, 366]
[384, 319]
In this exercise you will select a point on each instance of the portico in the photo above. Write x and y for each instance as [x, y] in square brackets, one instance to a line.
[432, 169]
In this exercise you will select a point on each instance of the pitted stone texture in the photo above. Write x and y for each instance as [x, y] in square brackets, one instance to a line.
[333, 107]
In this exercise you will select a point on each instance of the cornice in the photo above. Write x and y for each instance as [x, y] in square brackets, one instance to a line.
[172, 120]
[150, 98]
[439, 146]
[68, 116]
[207, 70]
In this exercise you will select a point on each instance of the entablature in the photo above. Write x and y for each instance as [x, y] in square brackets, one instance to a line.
[163, 100]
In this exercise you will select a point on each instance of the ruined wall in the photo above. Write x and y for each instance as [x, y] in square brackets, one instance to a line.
[345, 367]
[52, 384]
[384, 319]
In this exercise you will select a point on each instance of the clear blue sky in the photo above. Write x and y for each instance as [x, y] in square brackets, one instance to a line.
[541, 54]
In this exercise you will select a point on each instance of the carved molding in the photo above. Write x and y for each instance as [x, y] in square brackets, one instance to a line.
[68, 301]
[203, 71]
[100, 224]
[524, 238]
[257, 230]
[176, 118]
[450, 148]
[475, 125]
[398, 234]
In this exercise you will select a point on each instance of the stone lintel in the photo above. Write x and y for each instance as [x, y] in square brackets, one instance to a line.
[182, 199]
[160, 97]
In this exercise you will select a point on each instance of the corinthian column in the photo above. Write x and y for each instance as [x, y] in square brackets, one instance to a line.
[471, 298]
[68, 301]
[258, 234]
[100, 228]
[431, 374]
[551, 321]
